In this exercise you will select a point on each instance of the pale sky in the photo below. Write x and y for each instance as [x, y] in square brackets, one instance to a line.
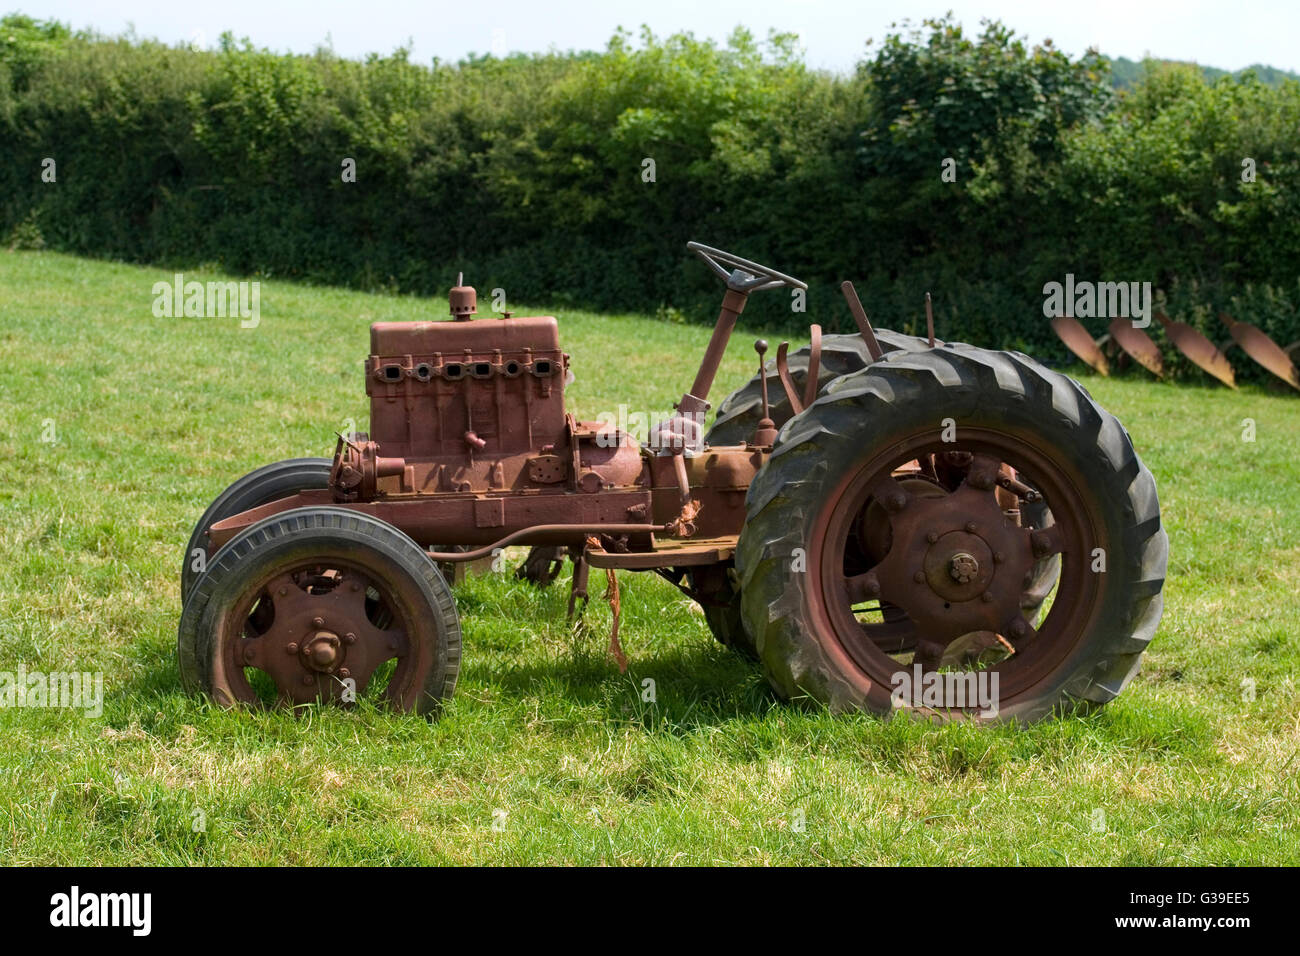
[1230, 35]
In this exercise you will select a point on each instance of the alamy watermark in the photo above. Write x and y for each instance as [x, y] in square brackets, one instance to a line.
[128, 910]
[213, 300]
[73, 690]
[946, 690]
[627, 422]
[1102, 300]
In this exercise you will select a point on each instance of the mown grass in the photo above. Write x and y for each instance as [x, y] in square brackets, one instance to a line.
[548, 754]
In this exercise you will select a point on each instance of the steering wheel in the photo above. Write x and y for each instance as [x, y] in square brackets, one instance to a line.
[745, 276]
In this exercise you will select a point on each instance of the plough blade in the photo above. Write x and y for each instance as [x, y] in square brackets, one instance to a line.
[1078, 341]
[1262, 349]
[1200, 350]
[1138, 345]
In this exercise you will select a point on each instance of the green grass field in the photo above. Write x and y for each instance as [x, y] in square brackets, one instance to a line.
[548, 754]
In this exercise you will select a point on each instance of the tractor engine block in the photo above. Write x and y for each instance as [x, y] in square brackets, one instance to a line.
[476, 406]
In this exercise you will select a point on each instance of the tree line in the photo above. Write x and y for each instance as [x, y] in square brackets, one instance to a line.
[970, 165]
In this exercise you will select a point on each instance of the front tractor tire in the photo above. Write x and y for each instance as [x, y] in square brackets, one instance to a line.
[863, 582]
[318, 604]
[262, 486]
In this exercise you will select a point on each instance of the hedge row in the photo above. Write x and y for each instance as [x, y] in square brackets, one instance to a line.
[973, 167]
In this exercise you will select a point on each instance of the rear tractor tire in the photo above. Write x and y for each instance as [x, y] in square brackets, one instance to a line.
[738, 417]
[715, 590]
[739, 413]
[864, 589]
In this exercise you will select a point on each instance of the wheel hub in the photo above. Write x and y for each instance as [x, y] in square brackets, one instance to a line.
[323, 652]
[316, 632]
[945, 576]
[958, 566]
[963, 567]
[955, 564]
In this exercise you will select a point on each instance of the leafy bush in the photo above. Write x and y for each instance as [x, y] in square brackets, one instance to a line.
[577, 178]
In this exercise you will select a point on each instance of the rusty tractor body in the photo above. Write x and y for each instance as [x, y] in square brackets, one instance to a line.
[869, 507]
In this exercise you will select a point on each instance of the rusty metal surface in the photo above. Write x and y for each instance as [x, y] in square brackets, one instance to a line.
[814, 364]
[1199, 350]
[1078, 341]
[471, 450]
[719, 480]
[860, 317]
[313, 626]
[553, 518]
[667, 554]
[787, 381]
[940, 561]
[543, 532]
[462, 299]
[470, 444]
[1138, 345]
[432, 384]
[765, 433]
[1262, 349]
[733, 303]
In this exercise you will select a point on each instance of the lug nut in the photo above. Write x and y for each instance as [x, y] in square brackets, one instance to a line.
[318, 622]
[283, 591]
[344, 672]
[999, 557]
[1017, 628]
[249, 654]
[919, 577]
[308, 680]
[986, 597]
[962, 567]
[349, 638]
[932, 537]
[291, 649]
[970, 527]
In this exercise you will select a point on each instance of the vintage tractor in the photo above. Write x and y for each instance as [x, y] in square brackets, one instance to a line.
[869, 517]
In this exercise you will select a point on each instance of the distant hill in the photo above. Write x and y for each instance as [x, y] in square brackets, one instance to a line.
[1125, 72]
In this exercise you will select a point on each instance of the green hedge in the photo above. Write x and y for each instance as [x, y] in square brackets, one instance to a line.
[527, 173]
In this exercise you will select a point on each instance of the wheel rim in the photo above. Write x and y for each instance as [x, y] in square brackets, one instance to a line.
[951, 568]
[322, 629]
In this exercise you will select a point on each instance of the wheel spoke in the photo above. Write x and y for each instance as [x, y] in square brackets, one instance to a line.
[929, 653]
[1019, 631]
[284, 592]
[350, 594]
[983, 473]
[862, 587]
[893, 497]
[372, 648]
[250, 651]
[1046, 542]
